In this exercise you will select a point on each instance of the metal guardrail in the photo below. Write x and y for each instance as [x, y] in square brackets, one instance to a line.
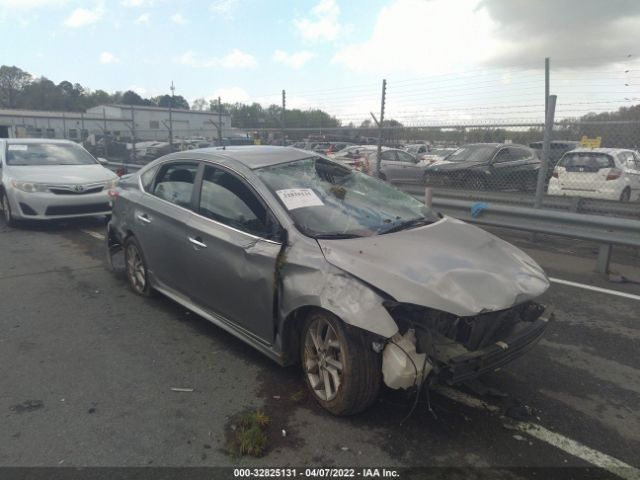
[552, 202]
[607, 231]
[597, 228]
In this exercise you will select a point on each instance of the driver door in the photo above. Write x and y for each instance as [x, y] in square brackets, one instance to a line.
[233, 251]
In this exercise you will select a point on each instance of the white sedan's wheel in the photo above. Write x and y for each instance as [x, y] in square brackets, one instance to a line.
[6, 210]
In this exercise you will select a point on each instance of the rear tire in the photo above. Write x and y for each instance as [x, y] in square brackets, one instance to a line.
[6, 210]
[136, 267]
[341, 369]
[382, 177]
[625, 196]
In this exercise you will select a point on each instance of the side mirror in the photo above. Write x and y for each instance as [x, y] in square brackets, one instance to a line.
[103, 161]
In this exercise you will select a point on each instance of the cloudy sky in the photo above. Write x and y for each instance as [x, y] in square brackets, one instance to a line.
[445, 60]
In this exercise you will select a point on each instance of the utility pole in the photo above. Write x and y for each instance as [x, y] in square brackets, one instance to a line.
[220, 140]
[82, 137]
[133, 138]
[64, 126]
[380, 124]
[546, 150]
[104, 132]
[284, 109]
[546, 86]
[172, 88]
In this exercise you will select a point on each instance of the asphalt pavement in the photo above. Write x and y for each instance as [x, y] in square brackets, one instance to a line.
[88, 369]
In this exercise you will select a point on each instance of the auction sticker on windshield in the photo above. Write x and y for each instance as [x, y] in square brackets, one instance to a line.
[21, 148]
[299, 197]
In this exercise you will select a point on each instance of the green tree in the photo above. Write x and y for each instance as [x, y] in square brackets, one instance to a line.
[132, 98]
[199, 104]
[12, 82]
[165, 100]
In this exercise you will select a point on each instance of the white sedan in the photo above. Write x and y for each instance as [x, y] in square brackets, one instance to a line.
[42, 179]
[607, 173]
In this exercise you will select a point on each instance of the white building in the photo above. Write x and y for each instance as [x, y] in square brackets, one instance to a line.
[151, 123]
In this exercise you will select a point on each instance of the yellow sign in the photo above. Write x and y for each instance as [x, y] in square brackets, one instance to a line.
[591, 142]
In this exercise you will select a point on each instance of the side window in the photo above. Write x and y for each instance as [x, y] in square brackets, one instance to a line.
[175, 183]
[389, 156]
[405, 157]
[228, 200]
[519, 153]
[147, 179]
[502, 156]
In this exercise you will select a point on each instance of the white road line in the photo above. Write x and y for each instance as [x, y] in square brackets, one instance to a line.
[572, 447]
[576, 449]
[595, 289]
[97, 235]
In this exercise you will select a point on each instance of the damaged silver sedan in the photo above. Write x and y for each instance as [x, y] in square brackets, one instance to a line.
[314, 263]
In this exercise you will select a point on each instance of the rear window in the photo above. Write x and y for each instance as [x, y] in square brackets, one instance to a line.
[587, 160]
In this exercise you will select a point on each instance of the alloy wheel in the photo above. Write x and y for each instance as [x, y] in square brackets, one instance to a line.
[323, 359]
[136, 271]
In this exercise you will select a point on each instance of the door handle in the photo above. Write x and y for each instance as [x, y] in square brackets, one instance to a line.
[198, 242]
[143, 218]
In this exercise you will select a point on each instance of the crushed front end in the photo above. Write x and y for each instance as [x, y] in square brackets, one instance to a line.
[457, 349]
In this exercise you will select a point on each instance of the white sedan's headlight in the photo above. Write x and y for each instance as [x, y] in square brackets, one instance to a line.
[29, 187]
[111, 183]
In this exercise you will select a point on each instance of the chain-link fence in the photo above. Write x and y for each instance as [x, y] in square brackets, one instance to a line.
[472, 134]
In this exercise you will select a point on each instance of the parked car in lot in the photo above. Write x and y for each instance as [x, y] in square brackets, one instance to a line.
[42, 179]
[479, 166]
[335, 147]
[356, 156]
[557, 149]
[312, 262]
[417, 150]
[397, 166]
[438, 155]
[607, 173]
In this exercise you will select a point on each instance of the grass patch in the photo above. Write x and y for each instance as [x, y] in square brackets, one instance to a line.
[250, 434]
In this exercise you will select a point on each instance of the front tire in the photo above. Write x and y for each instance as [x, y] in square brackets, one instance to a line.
[136, 267]
[6, 210]
[340, 367]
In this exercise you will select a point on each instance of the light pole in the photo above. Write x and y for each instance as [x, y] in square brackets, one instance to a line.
[172, 88]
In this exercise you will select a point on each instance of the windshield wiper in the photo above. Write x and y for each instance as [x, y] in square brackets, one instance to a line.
[407, 224]
[335, 236]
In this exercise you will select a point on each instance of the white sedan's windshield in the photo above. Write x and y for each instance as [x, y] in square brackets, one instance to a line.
[40, 154]
[326, 199]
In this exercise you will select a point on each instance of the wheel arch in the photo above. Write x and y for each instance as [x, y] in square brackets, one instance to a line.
[374, 321]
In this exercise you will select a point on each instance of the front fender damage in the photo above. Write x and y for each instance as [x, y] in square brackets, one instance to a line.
[338, 292]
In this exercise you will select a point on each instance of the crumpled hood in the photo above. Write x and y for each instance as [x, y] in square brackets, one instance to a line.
[61, 174]
[449, 266]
